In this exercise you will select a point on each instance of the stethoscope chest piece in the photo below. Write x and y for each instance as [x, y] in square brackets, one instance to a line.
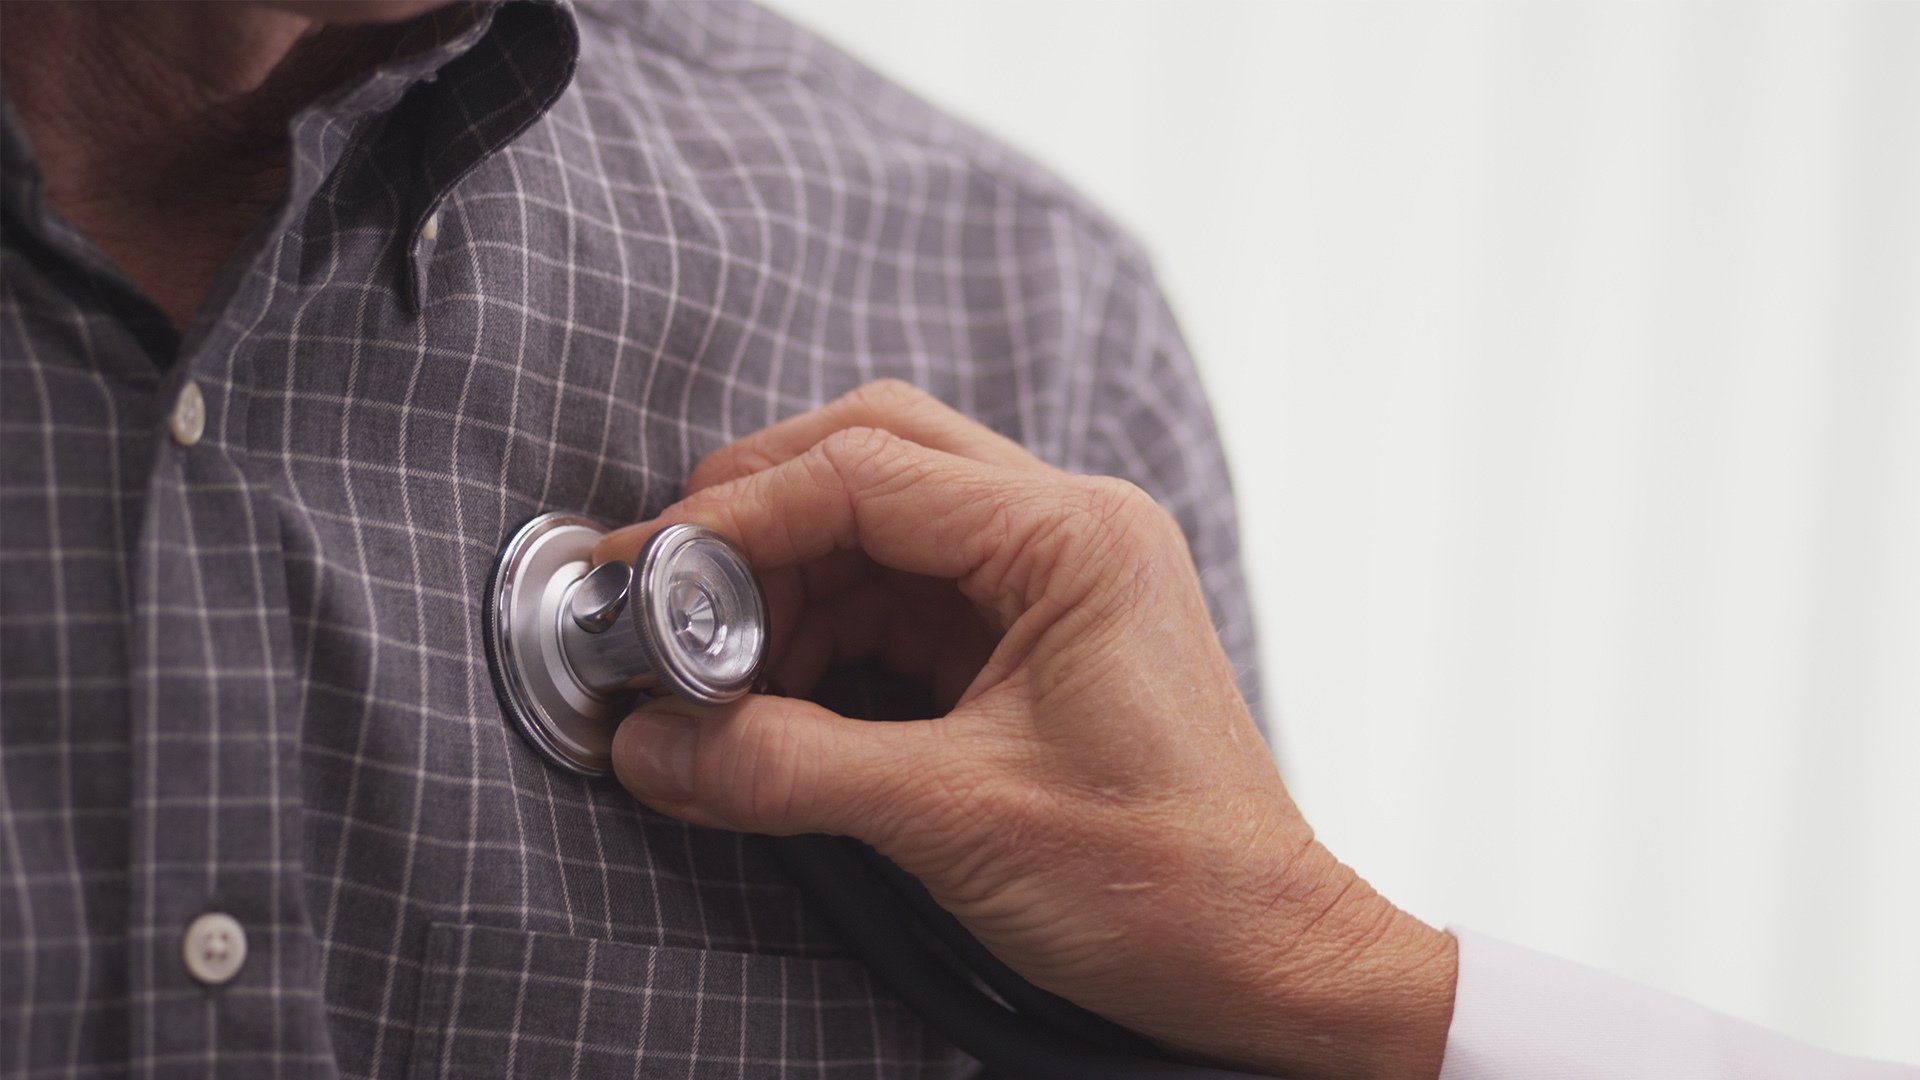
[575, 647]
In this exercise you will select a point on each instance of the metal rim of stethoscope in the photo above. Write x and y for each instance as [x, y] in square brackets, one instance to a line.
[509, 635]
[681, 676]
[568, 723]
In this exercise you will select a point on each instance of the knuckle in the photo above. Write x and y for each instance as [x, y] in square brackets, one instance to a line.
[1130, 548]
[1074, 536]
[851, 449]
[887, 397]
[1124, 509]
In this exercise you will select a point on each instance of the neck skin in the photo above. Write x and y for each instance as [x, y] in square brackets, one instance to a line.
[160, 130]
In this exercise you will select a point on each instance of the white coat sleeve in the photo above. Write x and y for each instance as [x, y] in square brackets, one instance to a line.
[1523, 1015]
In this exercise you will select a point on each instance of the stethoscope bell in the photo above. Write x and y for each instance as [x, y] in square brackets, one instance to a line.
[575, 647]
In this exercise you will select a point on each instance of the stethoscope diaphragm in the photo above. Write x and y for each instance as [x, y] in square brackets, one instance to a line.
[575, 647]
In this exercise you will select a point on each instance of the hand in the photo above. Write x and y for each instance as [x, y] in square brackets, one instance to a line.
[1094, 803]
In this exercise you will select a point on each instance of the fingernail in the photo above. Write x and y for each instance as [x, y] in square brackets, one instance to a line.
[653, 754]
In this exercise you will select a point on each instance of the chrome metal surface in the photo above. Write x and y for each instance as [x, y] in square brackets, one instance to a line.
[597, 600]
[569, 724]
[706, 619]
[574, 648]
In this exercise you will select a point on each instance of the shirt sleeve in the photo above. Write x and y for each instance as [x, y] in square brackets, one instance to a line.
[1523, 1015]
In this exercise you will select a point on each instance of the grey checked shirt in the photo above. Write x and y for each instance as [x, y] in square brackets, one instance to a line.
[544, 259]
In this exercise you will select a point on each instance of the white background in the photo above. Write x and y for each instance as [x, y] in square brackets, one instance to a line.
[1569, 360]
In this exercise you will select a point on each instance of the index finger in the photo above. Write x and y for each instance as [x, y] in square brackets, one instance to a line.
[989, 528]
[889, 404]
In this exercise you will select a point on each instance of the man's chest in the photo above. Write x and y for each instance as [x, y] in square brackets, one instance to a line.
[288, 604]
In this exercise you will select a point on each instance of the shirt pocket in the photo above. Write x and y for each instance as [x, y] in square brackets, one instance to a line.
[508, 1003]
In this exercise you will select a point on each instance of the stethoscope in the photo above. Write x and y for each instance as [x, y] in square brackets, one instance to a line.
[574, 648]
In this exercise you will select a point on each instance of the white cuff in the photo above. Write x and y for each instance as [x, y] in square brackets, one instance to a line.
[1523, 1015]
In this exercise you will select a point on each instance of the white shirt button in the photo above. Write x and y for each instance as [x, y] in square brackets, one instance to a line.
[431, 229]
[214, 948]
[188, 420]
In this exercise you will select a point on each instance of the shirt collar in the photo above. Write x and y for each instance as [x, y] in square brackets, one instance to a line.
[481, 101]
[464, 81]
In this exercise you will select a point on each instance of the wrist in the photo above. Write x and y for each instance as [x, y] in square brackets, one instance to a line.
[1395, 1000]
[1356, 989]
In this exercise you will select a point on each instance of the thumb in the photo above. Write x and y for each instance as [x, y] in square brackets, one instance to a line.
[769, 764]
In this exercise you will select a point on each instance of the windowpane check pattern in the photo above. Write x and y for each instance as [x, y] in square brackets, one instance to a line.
[242, 672]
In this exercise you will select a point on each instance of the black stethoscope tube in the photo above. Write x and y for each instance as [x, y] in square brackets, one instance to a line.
[1050, 1039]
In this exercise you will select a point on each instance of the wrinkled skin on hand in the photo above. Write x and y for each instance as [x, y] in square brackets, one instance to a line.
[1094, 802]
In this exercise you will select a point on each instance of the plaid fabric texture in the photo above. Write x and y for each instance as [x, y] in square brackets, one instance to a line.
[544, 261]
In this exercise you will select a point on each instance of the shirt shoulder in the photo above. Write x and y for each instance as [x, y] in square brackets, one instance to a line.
[763, 57]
